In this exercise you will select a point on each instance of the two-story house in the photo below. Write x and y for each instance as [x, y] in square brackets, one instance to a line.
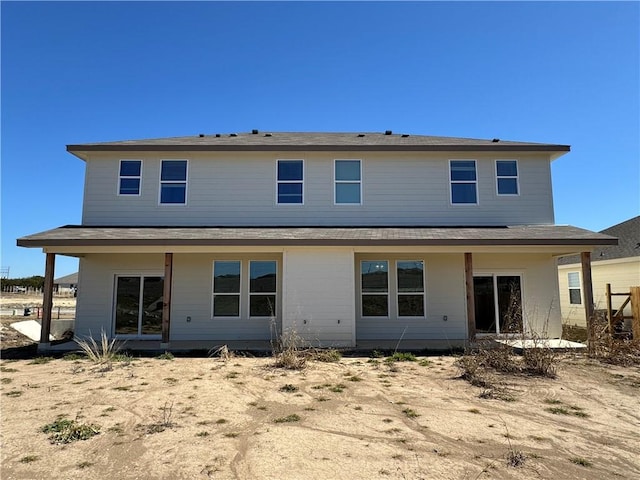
[351, 239]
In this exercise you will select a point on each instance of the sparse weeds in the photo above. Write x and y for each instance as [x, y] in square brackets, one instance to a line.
[294, 417]
[40, 360]
[583, 462]
[330, 355]
[288, 388]
[401, 357]
[67, 431]
[104, 354]
[288, 352]
[164, 421]
[29, 458]
[165, 356]
[410, 413]
[223, 353]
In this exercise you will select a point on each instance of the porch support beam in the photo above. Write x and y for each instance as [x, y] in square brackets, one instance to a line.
[47, 302]
[471, 310]
[587, 284]
[166, 298]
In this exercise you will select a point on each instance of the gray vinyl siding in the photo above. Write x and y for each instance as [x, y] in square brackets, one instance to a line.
[191, 296]
[445, 296]
[227, 189]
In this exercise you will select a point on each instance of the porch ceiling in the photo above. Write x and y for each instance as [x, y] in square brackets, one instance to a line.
[558, 239]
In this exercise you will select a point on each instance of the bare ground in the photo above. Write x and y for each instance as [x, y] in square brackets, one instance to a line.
[360, 418]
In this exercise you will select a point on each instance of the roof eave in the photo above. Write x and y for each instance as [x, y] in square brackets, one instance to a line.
[81, 150]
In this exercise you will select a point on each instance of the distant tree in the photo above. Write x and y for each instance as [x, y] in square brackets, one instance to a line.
[36, 282]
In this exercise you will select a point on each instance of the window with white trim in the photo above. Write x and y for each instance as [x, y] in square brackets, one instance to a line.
[290, 187]
[129, 177]
[262, 288]
[507, 177]
[348, 182]
[575, 297]
[374, 279]
[173, 182]
[410, 284]
[464, 182]
[226, 288]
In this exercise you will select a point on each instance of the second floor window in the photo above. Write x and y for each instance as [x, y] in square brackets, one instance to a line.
[507, 177]
[173, 182]
[129, 177]
[464, 182]
[290, 182]
[348, 182]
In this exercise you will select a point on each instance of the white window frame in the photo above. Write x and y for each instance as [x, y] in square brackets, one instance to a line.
[474, 182]
[142, 275]
[278, 181]
[120, 177]
[250, 293]
[516, 176]
[336, 182]
[388, 293]
[503, 273]
[398, 293]
[213, 292]
[579, 287]
[185, 182]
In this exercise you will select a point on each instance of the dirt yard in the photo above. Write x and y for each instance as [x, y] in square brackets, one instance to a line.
[359, 418]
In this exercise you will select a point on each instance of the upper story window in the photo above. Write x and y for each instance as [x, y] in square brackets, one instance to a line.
[173, 182]
[574, 288]
[348, 182]
[129, 177]
[290, 182]
[464, 182]
[507, 177]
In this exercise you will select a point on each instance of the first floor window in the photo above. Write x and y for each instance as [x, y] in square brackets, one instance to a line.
[464, 182]
[138, 305]
[290, 181]
[507, 177]
[173, 182]
[375, 288]
[575, 297]
[129, 177]
[226, 289]
[262, 288]
[410, 288]
[348, 182]
[498, 303]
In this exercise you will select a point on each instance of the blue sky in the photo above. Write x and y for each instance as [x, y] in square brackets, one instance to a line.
[74, 72]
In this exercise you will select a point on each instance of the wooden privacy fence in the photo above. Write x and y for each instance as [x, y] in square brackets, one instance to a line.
[615, 317]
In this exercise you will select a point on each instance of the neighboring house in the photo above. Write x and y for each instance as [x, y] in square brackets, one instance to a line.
[364, 240]
[617, 265]
[66, 284]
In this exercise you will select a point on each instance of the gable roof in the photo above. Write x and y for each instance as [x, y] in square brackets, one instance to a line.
[628, 234]
[72, 278]
[319, 141]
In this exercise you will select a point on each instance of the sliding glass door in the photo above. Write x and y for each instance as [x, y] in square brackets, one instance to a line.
[138, 305]
[498, 303]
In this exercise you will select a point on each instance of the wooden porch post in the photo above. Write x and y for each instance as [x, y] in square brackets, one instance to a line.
[587, 285]
[47, 302]
[166, 298]
[471, 308]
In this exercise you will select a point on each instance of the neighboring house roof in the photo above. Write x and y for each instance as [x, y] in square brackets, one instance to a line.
[307, 141]
[628, 234]
[72, 278]
[535, 235]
